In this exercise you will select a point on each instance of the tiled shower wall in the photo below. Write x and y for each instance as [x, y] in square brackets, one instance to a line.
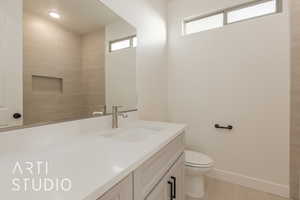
[63, 72]
[295, 104]
[50, 52]
[93, 71]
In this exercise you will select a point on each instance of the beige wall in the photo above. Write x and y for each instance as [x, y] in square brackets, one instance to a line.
[239, 75]
[51, 51]
[93, 71]
[74, 61]
[295, 106]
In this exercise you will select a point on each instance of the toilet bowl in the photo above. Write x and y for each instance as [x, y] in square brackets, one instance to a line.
[196, 166]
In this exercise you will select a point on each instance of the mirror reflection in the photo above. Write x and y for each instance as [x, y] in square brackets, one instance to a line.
[79, 59]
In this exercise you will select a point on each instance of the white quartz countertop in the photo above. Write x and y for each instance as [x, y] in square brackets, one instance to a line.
[94, 162]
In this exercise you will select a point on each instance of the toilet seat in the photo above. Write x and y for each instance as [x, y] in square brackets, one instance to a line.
[196, 159]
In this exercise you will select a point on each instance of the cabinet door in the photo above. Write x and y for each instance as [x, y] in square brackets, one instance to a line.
[171, 187]
[161, 191]
[122, 191]
[148, 175]
[176, 176]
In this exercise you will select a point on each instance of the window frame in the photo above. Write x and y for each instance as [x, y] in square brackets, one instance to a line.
[130, 38]
[250, 4]
[132, 41]
[279, 9]
[186, 21]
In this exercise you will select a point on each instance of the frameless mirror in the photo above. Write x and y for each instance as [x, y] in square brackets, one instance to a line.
[79, 59]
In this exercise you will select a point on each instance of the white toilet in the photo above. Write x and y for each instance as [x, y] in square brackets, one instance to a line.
[197, 165]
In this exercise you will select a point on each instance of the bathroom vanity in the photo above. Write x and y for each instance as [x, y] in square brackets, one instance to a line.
[160, 177]
[141, 160]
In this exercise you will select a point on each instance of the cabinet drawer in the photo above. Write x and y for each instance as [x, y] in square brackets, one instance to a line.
[122, 191]
[151, 172]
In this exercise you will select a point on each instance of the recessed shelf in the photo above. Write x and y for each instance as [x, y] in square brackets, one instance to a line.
[47, 84]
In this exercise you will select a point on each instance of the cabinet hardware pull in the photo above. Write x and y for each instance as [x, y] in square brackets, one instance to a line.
[174, 181]
[171, 189]
[229, 127]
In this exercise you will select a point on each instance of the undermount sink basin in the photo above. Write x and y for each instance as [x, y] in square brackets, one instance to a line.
[131, 134]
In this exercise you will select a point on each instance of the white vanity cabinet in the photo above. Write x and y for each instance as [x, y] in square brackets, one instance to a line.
[159, 178]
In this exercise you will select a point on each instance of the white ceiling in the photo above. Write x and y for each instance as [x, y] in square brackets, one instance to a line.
[81, 16]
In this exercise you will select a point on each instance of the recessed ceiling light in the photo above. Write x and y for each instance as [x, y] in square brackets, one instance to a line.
[54, 15]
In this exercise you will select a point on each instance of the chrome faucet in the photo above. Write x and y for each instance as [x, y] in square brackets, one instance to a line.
[115, 116]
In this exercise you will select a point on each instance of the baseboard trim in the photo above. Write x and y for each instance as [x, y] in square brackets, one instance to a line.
[254, 183]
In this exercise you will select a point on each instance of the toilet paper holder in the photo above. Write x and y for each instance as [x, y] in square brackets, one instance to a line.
[229, 127]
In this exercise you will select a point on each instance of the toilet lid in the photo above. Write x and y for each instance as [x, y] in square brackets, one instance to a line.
[193, 158]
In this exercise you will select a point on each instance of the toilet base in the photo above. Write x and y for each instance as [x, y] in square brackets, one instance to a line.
[195, 189]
